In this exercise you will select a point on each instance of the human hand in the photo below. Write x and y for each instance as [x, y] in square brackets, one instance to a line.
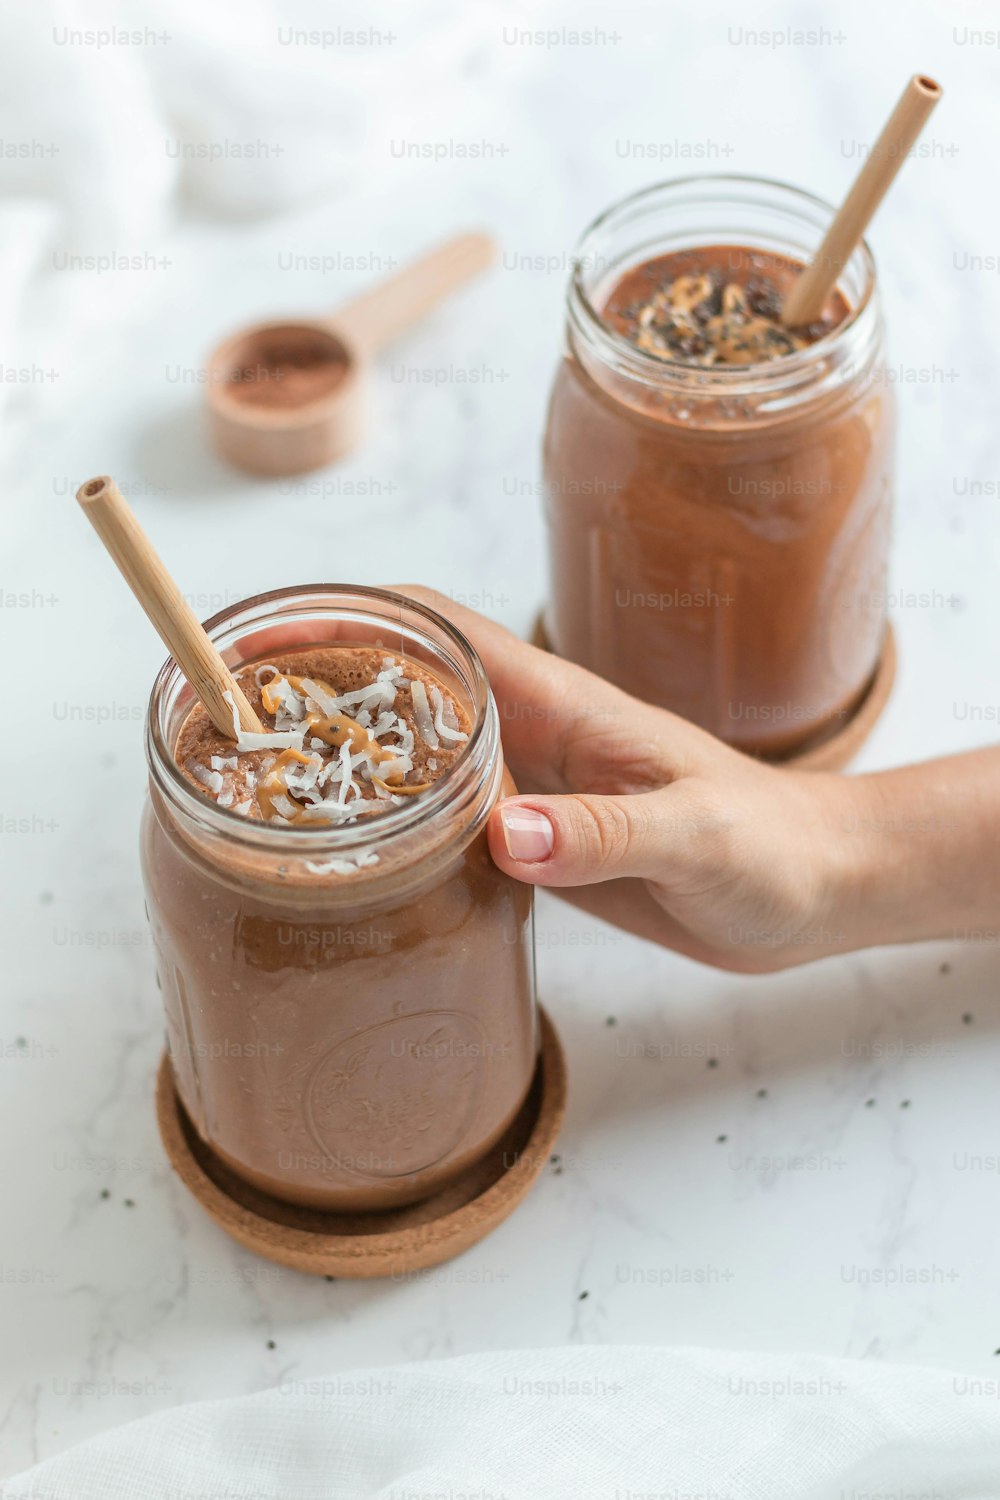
[653, 825]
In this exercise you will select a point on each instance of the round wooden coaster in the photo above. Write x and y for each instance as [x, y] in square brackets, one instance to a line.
[836, 750]
[375, 1244]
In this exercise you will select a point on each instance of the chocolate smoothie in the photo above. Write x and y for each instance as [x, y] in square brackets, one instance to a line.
[352, 732]
[350, 1027]
[718, 492]
[717, 305]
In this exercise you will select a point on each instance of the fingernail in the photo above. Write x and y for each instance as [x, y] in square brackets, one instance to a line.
[528, 834]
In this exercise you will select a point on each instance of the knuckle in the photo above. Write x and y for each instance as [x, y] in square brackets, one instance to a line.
[604, 828]
[713, 830]
[600, 751]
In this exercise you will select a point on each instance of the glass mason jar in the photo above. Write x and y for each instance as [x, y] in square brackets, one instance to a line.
[343, 1042]
[719, 537]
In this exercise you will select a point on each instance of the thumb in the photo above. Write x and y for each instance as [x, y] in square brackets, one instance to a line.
[582, 839]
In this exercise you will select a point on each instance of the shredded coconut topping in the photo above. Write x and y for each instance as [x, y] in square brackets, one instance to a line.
[422, 709]
[448, 730]
[211, 780]
[332, 757]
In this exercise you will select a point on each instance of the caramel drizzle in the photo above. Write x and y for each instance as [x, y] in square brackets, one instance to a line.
[335, 730]
[272, 702]
[339, 729]
[275, 786]
[400, 790]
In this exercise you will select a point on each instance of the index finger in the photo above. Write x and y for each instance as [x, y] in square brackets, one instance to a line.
[563, 728]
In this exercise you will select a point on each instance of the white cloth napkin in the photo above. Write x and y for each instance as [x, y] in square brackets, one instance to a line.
[565, 1424]
[124, 121]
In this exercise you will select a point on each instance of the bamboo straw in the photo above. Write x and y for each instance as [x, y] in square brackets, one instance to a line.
[808, 296]
[174, 619]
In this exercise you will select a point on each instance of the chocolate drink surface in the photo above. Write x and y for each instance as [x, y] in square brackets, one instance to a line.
[349, 1029]
[717, 305]
[352, 731]
[719, 493]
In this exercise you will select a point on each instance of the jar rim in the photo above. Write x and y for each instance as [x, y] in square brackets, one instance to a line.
[469, 765]
[787, 368]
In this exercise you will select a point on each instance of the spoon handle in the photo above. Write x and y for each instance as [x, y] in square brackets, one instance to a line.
[375, 318]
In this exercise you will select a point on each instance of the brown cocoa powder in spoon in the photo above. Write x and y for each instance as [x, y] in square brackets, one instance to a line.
[289, 374]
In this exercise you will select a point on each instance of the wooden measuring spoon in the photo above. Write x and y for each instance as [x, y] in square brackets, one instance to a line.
[288, 396]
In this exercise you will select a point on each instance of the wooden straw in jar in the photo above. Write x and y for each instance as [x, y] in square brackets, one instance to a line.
[808, 296]
[172, 616]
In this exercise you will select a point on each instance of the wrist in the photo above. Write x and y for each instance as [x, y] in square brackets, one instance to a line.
[862, 894]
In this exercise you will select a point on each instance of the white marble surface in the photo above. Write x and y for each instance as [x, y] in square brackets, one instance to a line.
[855, 1209]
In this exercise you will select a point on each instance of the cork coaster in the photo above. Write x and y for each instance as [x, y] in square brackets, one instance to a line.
[837, 748]
[392, 1243]
[836, 751]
